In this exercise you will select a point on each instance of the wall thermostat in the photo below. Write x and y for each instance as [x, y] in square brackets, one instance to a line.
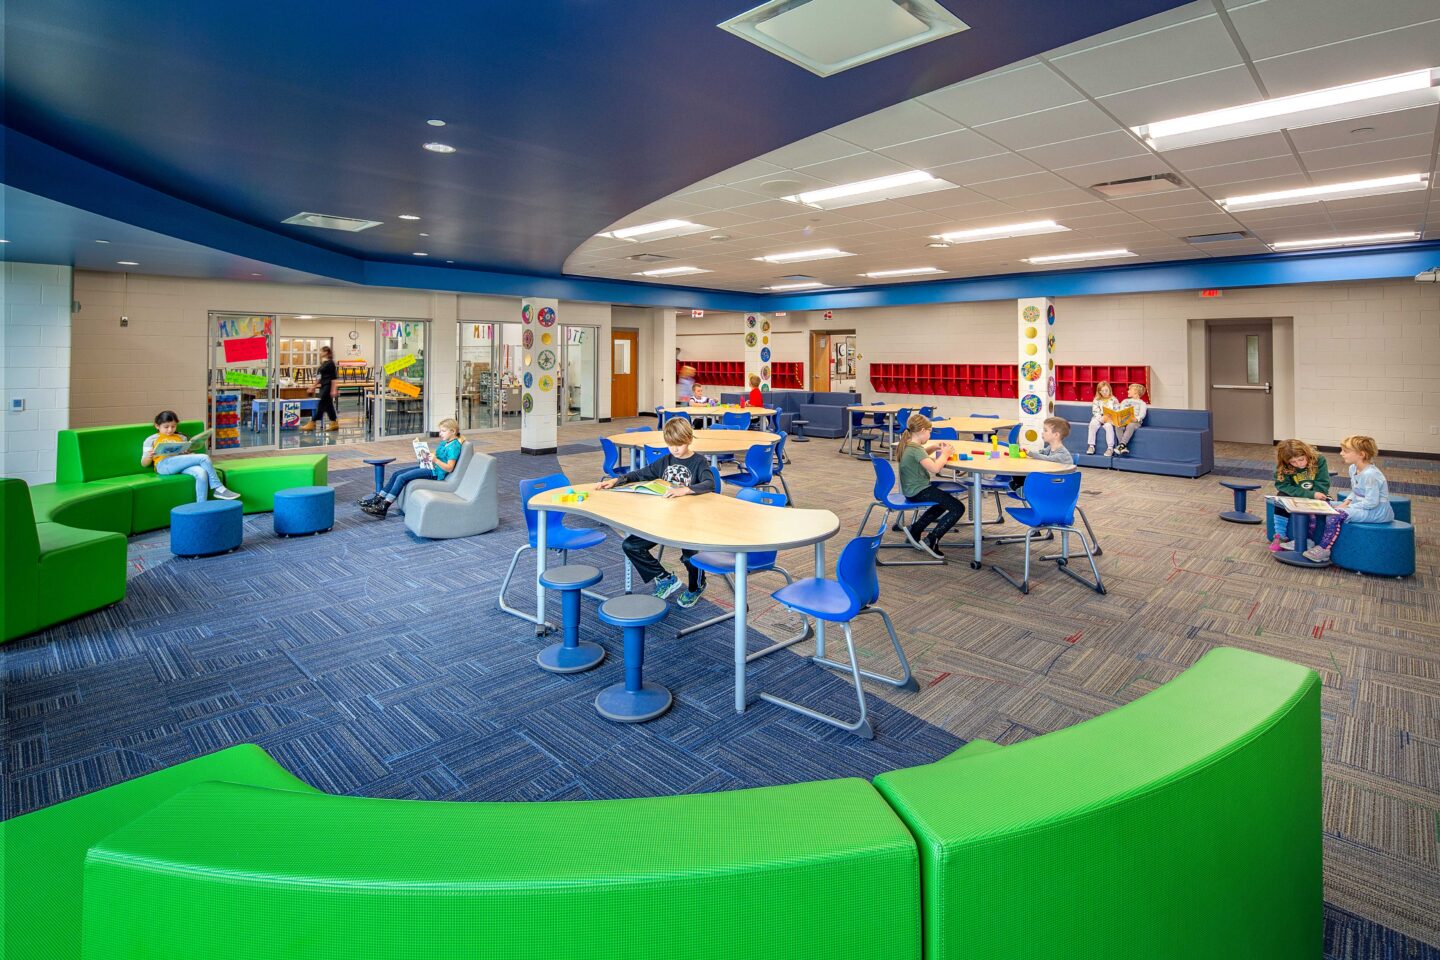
[17, 404]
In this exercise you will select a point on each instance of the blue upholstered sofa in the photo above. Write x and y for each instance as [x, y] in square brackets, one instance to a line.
[1178, 443]
[825, 412]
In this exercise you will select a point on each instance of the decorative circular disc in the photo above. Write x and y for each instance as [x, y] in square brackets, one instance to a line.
[547, 316]
[765, 355]
[1050, 314]
[1030, 314]
[1030, 370]
[528, 360]
[765, 385]
[764, 339]
[546, 384]
[1031, 436]
[527, 403]
[750, 339]
[546, 360]
[547, 338]
[1031, 405]
[525, 314]
[765, 372]
[1049, 407]
[765, 326]
[528, 379]
[1031, 349]
[1050, 386]
[1050, 342]
[1030, 333]
[527, 339]
[750, 322]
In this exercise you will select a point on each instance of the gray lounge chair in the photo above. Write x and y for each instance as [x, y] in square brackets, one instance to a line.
[471, 508]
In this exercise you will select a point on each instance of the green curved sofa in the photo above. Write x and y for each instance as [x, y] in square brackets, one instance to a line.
[1184, 825]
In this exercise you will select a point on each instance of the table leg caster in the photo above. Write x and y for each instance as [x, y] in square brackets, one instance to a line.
[975, 564]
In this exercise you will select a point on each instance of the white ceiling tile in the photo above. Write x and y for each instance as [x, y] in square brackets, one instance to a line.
[1364, 58]
[1229, 151]
[1000, 96]
[1089, 174]
[1054, 201]
[861, 166]
[815, 149]
[1412, 153]
[1227, 173]
[910, 120]
[1168, 18]
[970, 214]
[1419, 121]
[724, 218]
[880, 208]
[1232, 248]
[943, 199]
[955, 147]
[1183, 50]
[1284, 26]
[1030, 183]
[720, 198]
[1115, 145]
[1179, 98]
[986, 168]
[1049, 126]
[1174, 198]
[1323, 173]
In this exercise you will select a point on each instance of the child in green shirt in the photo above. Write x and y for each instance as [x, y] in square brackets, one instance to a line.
[920, 460]
[1302, 472]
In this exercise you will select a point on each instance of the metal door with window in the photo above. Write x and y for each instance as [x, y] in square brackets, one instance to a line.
[624, 378]
[399, 407]
[1240, 397]
[575, 380]
[244, 403]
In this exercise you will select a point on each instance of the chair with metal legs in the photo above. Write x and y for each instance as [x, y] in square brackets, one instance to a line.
[1052, 499]
[758, 471]
[862, 433]
[557, 537]
[891, 500]
[852, 594]
[611, 466]
[722, 563]
[779, 469]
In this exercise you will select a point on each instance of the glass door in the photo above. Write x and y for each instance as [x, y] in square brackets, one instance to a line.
[508, 359]
[245, 405]
[576, 379]
[399, 407]
[475, 384]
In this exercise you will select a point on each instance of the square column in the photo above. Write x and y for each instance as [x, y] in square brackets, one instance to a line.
[1035, 368]
[758, 349]
[539, 403]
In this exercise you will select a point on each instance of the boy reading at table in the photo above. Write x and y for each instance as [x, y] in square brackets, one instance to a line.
[687, 472]
[1053, 432]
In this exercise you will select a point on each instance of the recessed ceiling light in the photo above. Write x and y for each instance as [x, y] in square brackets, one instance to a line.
[659, 230]
[1088, 255]
[720, 236]
[408, 216]
[1004, 231]
[419, 253]
[938, 245]
[671, 272]
[449, 261]
[4, 241]
[809, 285]
[1332, 191]
[828, 36]
[1355, 240]
[326, 221]
[896, 185]
[304, 316]
[424, 234]
[823, 253]
[254, 274]
[436, 123]
[127, 263]
[102, 241]
[1352, 100]
[905, 272]
[438, 147]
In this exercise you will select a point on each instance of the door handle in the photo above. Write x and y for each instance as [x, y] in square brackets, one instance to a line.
[1241, 386]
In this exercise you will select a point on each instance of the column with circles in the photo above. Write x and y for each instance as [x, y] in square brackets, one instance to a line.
[758, 349]
[540, 365]
[1035, 368]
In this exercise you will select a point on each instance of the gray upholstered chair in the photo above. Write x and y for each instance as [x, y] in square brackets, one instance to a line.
[451, 481]
[472, 507]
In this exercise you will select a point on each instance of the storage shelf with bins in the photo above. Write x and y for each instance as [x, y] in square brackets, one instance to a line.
[720, 373]
[946, 379]
[787, 375]
[1076, 382]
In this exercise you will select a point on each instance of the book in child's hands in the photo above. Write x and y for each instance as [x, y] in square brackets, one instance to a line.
[170, 448]
[424, 456]
[655, 488]
[1119, 416]
[1300, 505]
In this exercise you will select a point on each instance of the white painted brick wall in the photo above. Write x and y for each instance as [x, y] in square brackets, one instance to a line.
[35, 346]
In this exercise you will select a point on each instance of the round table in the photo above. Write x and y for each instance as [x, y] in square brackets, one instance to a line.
[981, 465]
[972, 425]
[709, 443]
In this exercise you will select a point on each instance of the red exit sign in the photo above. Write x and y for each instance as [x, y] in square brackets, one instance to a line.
[1205, 294]
[697, 314]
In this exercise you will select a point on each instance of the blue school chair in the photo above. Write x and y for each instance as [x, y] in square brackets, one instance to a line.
[735, 420]
[557, 537]
[1052, 499]
[611, 467]
[852, 594]
[888, 497]
[758, 471]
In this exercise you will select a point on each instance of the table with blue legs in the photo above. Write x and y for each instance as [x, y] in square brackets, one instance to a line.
[260, 410]
[979, 465]
[379, 464]
[1299, 526]
[706, 521]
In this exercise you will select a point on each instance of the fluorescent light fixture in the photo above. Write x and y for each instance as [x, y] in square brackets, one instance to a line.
[830, 36]
[436, 123]
[438, 147]
[419, 253]
[906, 272]
[1351, 241]
[671, 272]
[102, 241]
[823, 253]
[892, 187]
[127, 263]
[1347, 102]
[304, 316]
[326, 221]
[4, 241]
[1077, 257]
[810, 285]
[1332, 191]
[408, 216]
[1029, 229]
[659, 230]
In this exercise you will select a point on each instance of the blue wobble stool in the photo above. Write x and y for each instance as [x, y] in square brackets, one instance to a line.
[570, 655]
[205, 529]
[1239, 514]
[300, 511]
[633, 701]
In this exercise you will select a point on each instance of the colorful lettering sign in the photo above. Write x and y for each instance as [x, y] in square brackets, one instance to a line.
[289, 414]
[400, 363]
[229, 327]
[238, 379]
[246, 349]
[397, 385]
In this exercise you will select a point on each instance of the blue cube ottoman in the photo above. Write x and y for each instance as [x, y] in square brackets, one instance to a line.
[205, 529]
[304, 510]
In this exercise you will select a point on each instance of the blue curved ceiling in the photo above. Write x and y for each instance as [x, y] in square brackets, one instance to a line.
[566, 115]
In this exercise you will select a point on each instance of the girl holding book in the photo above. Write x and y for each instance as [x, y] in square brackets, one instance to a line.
[1104, 400]
[1302, 472]
[1369, 500]
[169, 460]
[442, 462]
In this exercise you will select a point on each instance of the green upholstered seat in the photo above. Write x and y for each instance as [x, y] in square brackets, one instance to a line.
[52, 572]
[44, 852]
[807, 870]
[85, 505]
[86, 454]
[1190, 814]
[258, 479]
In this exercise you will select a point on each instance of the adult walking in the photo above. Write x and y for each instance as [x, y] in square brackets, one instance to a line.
[325, 389]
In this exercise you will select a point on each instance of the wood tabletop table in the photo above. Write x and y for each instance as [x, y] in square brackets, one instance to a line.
[696, 410]
[980, 465]
[706, 442]
[975, 424]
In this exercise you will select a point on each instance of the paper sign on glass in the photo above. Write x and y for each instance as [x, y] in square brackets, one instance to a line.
[400, 363]
[245, 349]
[401, 386]
[239, 379]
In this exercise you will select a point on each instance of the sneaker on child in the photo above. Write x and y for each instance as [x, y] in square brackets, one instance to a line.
[1317, 554]
[666, 585]
[225, 493]
[691, 597]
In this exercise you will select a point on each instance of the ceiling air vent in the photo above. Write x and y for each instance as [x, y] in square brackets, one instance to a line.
[1138, 186]
[649, 258]
[830, 36]
[1218, 237]
[801, 277]
[326, 222]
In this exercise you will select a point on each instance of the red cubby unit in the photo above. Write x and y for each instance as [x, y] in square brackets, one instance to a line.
[720, 373]
[787, 375]
[945, 379]
[1076, 383]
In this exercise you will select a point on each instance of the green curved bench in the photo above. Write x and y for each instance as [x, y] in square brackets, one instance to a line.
[1181, 825]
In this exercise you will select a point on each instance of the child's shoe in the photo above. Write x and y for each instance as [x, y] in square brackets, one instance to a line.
[333, 426]
[1121, 449]
[1109, 451]
[1277, 545]
[691, 597]
[932, 543]
[665, 585]
[1090, 449]
[366, 501]
[225, 493]
[1318, 554]
[377, 509]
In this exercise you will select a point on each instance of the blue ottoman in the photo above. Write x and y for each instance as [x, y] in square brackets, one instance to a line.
[204, 529]
[1381, 549]
[304, 510]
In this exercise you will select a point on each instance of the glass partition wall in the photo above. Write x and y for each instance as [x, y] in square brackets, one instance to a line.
[489, 384]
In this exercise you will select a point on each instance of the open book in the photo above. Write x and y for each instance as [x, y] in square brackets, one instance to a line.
[423, 454]
[1298, 505]
[169, 448]
[655, 488]
[1120, 416]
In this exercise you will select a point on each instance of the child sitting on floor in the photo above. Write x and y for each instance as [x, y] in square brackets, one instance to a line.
[446, 456]
[1369, 500]
[1302, 472]
[1133, 402]
[1053, 432]
[1104, 400]
[197, 465]
[687, 472]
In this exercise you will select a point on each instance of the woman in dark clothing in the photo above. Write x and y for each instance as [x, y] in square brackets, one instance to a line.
[324, 389]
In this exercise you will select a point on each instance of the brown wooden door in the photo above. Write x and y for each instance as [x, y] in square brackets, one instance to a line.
[819, 361]
[624, 376]
[1240, 382]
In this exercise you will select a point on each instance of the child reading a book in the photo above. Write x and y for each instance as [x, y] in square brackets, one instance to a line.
[1369, 500]
[1104, 400]
[1138, 408]
[1302, 472]
[1053, 433]
[168, 450]
[687, 472]
[920, 460]
[442, 462]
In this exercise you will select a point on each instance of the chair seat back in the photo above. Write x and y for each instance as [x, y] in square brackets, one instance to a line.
[884, 479]
[1053, 498]
[611, 453]
[655, 453]
[767, 557]
[856, 572]
[553, 520]
[760, 462]
[736, 420]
